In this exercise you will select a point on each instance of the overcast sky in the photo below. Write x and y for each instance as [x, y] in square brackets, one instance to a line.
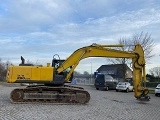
[38, 29]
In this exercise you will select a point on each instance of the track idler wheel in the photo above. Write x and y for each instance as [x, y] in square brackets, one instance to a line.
[17, 95]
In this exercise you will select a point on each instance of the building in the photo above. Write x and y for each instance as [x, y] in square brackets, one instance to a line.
[117, 71]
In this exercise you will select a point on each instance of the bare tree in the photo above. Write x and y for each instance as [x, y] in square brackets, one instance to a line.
[147, 43]
[126, 47]
[155, 71]
[86, 73]
[29, 62]
[3, 69]
[144, 39]
[151, 71]
[122, 61]
[76, 73]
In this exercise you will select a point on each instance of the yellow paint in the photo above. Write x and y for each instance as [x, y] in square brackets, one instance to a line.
[29, 73]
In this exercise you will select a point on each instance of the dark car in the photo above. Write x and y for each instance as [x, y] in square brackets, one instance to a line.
[105, 82]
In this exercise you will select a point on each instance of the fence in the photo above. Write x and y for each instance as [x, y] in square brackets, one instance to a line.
[83, 81]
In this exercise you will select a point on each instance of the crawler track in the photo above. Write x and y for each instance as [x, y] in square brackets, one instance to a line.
[48, 94]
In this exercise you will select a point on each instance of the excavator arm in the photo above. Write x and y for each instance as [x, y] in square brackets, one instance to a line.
[95, 50]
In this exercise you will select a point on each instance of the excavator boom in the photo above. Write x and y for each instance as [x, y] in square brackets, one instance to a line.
[95, 50]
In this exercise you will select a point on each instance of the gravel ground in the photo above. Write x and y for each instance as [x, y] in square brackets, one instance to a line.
[104, 105]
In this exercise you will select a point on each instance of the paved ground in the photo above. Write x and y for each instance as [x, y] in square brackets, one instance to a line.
[104, 105]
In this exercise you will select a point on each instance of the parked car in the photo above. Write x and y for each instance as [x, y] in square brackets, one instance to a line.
[124, 86]
[157, 90]
[105, 82]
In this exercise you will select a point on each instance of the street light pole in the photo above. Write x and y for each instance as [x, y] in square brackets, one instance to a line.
[91, 73]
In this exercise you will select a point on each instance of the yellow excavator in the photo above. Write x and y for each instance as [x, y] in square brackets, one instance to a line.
[51, 78]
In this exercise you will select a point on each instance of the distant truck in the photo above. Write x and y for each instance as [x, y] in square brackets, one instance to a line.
[105, 82]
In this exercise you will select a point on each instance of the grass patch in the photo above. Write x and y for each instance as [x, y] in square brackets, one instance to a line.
[151, 91]
[2, 82]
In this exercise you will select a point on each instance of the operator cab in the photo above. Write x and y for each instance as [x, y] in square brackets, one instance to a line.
[57, 63]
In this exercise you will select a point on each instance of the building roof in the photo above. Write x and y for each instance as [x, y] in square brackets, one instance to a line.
[113, 69]
[113, 66]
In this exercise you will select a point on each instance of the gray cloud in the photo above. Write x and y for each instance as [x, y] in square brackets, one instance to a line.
[39, 29]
